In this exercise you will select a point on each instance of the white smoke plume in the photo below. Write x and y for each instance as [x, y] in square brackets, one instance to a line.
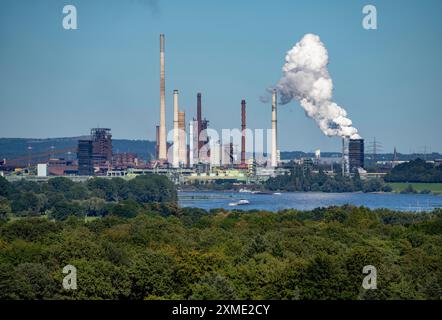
[306, 79]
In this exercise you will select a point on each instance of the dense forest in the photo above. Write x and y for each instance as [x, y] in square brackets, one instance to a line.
[60, 197]
[415, 171]
[130, 240]
[193, 254]
[304, 180]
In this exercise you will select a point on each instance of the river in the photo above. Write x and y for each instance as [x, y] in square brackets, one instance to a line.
[308, 200]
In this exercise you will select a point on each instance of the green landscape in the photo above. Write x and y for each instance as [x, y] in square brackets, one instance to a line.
[435, 188]
[416, 176]
[130, 240]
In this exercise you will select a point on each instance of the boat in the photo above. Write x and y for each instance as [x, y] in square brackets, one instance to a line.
[242, 190]
[277, 193]
[260, 192]
[241, 202]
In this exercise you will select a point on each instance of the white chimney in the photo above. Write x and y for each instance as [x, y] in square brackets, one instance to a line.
[274, 159]
[162, 145]
[176, 145]
[191, 146]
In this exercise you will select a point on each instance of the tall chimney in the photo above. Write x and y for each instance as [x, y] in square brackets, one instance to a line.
[176, 139]
[243, 132]
[274, 131]
[199, 122]
[182, 151]
[162, 152]
[191, 146]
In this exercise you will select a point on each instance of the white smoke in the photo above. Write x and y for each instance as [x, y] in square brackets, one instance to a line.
[306, 79]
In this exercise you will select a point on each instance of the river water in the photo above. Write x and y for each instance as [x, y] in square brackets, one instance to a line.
[308, 200]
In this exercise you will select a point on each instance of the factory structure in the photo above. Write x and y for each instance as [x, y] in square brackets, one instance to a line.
[193, 155]
[196, 156]
[352, 156]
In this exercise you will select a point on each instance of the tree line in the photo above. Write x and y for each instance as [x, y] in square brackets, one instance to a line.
[415, 171]
[144, 246]
[194, 254]
[303, 179]
[59, 198]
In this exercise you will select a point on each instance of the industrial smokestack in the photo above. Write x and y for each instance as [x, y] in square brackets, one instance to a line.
[176, 144]
[162, 152]
[243, 132]
[182, 151]
[274, 162]
[199, 122]
[191, 146]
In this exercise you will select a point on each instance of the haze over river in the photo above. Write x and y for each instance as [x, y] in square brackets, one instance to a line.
[308, 200]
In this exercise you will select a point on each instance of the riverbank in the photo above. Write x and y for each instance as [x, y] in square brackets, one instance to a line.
[435, 188]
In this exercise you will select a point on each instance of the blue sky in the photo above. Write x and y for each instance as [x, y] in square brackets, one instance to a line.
[55, 82]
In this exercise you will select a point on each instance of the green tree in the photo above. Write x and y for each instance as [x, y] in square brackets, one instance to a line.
[415, 171]
[372, 185]
[409, 190]
[152, 273]
[64, 209]
[152, 188]
[5, 209]
[6, 189]
[126, 208]
[213, 286]
[27, 281]
[322, 279]
[77, 192]
[60, 184]
[28, 203]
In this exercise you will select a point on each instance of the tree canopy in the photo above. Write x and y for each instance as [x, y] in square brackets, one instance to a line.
[194, 254]
[415, 171]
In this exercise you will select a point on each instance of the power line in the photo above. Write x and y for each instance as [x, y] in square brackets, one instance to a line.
[373, 148]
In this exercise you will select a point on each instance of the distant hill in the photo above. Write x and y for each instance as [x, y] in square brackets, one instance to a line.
[289, 155]
[12, 148]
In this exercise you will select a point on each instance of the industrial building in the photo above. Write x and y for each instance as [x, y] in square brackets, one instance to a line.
[84, 156]
[356, 154]
[182, 141]
[194, 156]
[227, 156]
[61, 167]
[243, 132]
[102, 146]
[125, 160]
